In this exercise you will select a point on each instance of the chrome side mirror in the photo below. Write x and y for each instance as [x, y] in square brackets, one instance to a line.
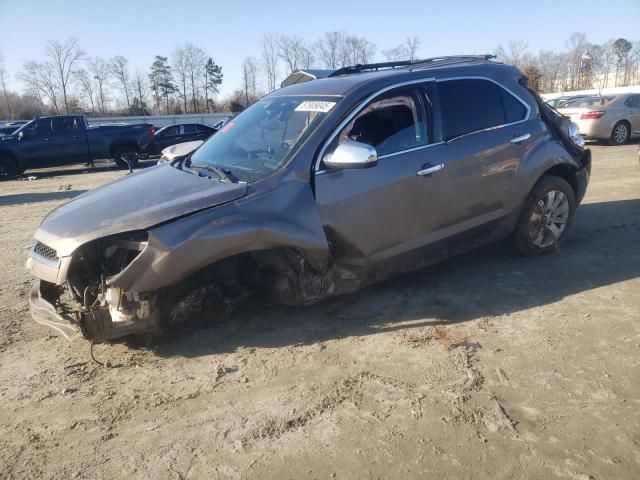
[351, 154]
[21, 136]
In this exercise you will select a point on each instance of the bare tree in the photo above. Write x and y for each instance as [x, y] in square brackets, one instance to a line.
[513, 54]
[195, 62]
[395, 54]
[30, 76]
[3, 75]
[120, 70]
[294, 53]
[405, 51]
[328, 49]
[63, 56]
[249, 71]
[100, 71]
[413, 45]
[270, 49]
[86, 86]
[140, 89]
[179, 62]
[40, 80]
[357, 50]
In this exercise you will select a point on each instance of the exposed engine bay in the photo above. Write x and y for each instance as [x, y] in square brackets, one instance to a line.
[101, 311]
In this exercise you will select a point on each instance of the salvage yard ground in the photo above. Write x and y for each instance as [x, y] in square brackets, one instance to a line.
[489, 365]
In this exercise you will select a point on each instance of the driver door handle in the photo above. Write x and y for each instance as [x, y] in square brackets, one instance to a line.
[521, 138]
[429, 169]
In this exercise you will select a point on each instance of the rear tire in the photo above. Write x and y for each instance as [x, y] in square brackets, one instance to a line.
[123, 156]
[546, 217]
[8, 169]
[620, 133]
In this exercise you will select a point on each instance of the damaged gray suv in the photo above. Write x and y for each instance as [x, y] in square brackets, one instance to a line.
[317, 190]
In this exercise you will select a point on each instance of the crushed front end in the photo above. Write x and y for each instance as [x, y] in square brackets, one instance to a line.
[71, 293]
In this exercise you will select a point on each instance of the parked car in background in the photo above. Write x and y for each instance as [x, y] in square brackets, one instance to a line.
[317, 190]
[179, 133]
[560, 102]
[615, 118]
[66, 139]
[178, 150]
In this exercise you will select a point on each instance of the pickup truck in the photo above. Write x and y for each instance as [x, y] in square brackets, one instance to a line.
[66, 139]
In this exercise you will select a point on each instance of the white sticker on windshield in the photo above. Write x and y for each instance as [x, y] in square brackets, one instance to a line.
[315, 106]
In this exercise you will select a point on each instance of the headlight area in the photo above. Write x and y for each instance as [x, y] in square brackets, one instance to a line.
[102, 312]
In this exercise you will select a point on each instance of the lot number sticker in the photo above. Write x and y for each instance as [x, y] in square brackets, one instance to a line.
[315, 106]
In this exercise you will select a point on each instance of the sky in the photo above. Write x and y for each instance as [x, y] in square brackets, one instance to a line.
[231, 30]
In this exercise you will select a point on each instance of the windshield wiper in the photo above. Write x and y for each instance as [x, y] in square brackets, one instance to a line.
[224, 174]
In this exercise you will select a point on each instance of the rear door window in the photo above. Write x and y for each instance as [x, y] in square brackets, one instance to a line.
[470, 105]
[189, 128]
[171, 131]
[65, 125]
[633, 102]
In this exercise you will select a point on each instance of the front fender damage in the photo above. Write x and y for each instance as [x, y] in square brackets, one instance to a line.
[141, 282]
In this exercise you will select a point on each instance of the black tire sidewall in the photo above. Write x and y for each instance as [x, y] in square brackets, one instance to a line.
[523, 242]
[120, 162]
[10, 168]
[613, 134]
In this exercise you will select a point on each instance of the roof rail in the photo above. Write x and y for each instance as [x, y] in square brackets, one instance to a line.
[404, 63]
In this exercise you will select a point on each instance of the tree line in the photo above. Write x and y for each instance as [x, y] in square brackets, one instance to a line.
[188, 80]
[68, 80]
[581, 66]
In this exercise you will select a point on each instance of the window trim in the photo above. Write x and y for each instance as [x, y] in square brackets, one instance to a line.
[435, 107]
[357, 110]
[495, 127]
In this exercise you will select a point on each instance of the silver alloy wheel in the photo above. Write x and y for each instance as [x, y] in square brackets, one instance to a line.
[549, 219]
[620, 133]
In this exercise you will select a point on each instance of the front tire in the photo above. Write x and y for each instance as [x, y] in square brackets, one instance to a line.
[620, 133]
[546, 217]
[8, 169]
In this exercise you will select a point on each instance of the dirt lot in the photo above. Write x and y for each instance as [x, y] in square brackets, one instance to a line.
[487, 366]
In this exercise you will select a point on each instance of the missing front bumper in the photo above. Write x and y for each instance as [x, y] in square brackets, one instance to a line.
[94, 325]
[46, 314]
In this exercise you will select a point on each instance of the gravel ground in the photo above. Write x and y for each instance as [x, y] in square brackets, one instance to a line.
[489, 365]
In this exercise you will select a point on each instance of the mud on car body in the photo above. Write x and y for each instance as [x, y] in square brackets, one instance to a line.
[317, 190]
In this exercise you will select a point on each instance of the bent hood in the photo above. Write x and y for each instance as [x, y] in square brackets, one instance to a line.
[133, 202]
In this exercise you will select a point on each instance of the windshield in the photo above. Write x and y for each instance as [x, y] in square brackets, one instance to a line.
[262, 138]
[588, 102]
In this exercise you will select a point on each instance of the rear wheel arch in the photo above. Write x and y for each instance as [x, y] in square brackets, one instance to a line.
[565, 171]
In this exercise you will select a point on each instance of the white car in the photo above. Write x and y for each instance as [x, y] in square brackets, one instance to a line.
[179, 150]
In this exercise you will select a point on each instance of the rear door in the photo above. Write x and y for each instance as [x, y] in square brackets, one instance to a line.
[204, 131]
[381, 215]
[168, 136]
[486, 133]
[190, 132]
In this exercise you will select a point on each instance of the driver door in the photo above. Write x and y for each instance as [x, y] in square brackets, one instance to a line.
[381, 216]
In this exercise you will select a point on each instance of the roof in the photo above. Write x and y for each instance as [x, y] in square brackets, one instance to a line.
[343, 84]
